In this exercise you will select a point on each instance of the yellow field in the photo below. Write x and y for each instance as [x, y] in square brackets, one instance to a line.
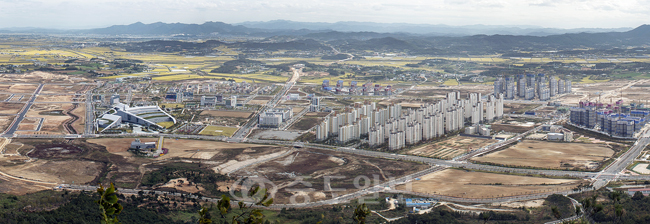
[166, 124]
[587, 80]
[218, 131]
[451, 82]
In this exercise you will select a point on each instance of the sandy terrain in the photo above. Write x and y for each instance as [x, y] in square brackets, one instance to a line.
[64, 89]
[10, 108]
[52, 123]
[519, 204]
[183, 185]
[54, 98]
[550, 154]
[80, 124]
[177, 148]
[258, 102]
[18, 187]
[41, 77]
[466, 184]
[217, 113]
[642, 168]
[65, 171]
[18, 88]
[316, 164]
[451, 147]
[233, 165]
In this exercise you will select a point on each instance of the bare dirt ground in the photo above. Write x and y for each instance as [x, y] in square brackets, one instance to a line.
[41, 77]
[258, 102]
[54, 115]
[10, 108]
[183, 148]
[18, 88]
[5, 121]
[182, 184]
[517, 108]
[468, 184]
[218, 113]
[316, 165]
[54, 98]
[451, 147]
[546, 154]
[13, 186]
[642, 168]
[64, 171]
[63, 89]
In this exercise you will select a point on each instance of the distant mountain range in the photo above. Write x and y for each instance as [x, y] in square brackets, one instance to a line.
[422, 29]
[295, 35]
[285, 27]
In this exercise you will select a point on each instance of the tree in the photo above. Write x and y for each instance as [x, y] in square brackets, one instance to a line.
[637, 196]
[204, 215]
[360, 213]
[108, 204]
[247, 214]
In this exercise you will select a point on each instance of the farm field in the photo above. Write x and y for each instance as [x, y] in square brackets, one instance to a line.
[555, 155]
[451, 147]
[314, 164]
[218, 131]
[469, 184]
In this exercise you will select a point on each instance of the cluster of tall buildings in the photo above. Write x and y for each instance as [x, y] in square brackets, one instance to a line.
[531, 86]
[398, 128]
[353, 89]
[614, 120]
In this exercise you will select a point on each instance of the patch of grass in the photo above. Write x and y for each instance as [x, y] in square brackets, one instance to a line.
[166, 124]
[218, 131]
[450, 82]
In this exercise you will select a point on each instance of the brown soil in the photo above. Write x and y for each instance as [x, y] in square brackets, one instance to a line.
[315, 165]
[54, 98]
[510, 128]
[52, 123]
[63, 89]
[10, 108]
[5, 121]
[56, 150]
[468, 184]
[216, 113]
[546, 154]
[451, 147]
[18, 88]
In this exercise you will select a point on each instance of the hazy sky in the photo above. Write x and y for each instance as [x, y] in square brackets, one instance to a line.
[546, 13]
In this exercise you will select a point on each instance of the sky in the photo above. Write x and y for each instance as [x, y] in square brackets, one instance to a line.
[82, 14]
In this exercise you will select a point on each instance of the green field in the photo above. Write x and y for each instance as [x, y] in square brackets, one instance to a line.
[218, 131]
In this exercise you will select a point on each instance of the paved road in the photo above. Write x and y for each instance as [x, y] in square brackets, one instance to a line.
[14, 126]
